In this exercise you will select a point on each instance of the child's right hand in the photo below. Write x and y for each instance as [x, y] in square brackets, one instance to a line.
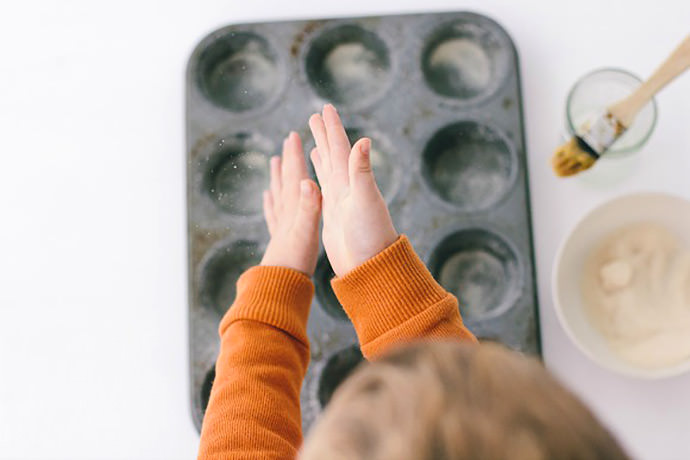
[356, 221]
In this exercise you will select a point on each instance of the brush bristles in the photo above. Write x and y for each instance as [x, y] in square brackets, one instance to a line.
[570, 159]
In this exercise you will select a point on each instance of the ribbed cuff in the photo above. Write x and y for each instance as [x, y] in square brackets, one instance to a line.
[277, 296]
[387, 290]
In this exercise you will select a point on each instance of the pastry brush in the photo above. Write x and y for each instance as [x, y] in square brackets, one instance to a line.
[597, 134]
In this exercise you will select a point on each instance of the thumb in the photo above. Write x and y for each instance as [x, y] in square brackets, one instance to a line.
[309, 208]
[361, 174]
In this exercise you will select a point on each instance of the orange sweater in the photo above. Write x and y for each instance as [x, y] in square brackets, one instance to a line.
[254, 408]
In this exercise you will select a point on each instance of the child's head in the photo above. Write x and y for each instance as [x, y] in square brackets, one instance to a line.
[457, 401]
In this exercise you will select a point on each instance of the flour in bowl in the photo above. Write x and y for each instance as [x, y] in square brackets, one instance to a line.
[636, 291]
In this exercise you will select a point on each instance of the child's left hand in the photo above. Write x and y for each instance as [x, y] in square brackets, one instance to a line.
[292, 208]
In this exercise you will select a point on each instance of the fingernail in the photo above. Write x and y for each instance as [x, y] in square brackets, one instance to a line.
[365, 146]
[305, 187]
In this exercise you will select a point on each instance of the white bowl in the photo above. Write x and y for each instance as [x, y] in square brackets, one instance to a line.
[671, 211]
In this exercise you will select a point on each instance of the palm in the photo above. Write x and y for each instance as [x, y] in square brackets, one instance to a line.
[336, 232]
[356, 222]
[292, 212]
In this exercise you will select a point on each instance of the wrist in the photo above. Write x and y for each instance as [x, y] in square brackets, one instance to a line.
[371, 252]
[277, 256]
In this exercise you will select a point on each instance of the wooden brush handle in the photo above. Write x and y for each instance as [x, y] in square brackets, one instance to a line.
[678, 62]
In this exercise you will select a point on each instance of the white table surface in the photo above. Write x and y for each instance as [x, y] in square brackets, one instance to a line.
[93, 289]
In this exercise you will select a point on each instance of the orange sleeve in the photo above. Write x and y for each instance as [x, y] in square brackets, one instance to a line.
[254, 407]
[393, 299]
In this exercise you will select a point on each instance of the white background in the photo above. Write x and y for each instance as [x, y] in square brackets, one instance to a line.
[93, 337]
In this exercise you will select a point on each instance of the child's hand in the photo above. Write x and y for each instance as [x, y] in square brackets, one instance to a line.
[292, 208]
[356, 222]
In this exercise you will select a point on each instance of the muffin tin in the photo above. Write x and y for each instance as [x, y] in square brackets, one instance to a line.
[439, 94]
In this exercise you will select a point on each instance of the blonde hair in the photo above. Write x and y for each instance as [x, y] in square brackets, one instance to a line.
[457, 401]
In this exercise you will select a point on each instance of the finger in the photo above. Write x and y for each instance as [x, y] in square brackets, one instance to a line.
[276, 182]
[293, 171]
[318, 167]
[318, 130]
[309, 209]
[294, 166]
[360, 172]
[338, 143]
[269, 213]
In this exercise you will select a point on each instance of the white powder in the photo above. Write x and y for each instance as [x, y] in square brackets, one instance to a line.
[352, 67]
[238, 182]
[246, 79]
[472, 169]
[466, 65]
[636, 288]
[477, 278]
